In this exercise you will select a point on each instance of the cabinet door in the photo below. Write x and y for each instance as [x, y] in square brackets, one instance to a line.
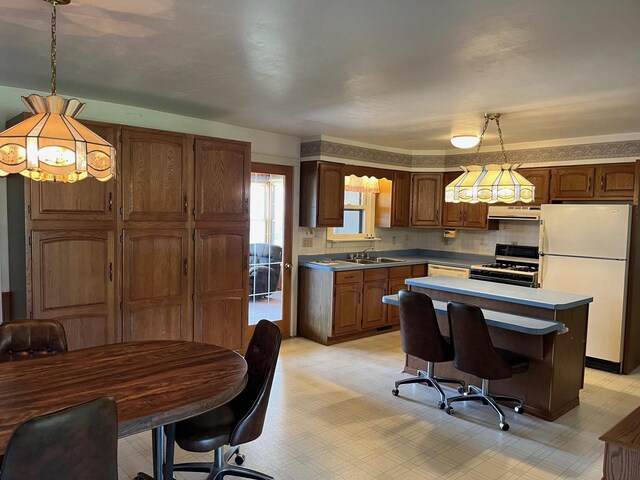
[541, 178]
[330, 206]
[572, 183]
[154, 176]
[400, 193]
[221, 287]
[452, 213]
[374, 312]
[426, 195]
[73, 282]
[616, 181]
[155, 284]
[347, 308]
[475, 215]
[222, 171]
[393, 312]
[88, 199]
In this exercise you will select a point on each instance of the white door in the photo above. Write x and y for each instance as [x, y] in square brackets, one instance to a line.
[606, 282]
[600, 231]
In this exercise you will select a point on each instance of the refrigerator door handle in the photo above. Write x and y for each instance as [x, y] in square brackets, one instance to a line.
[541, 253]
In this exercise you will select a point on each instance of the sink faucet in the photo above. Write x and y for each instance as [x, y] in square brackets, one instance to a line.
[363, 254]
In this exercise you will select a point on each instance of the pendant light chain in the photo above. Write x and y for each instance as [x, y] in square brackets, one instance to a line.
[484, 129]
[504, 154]
[54, 64]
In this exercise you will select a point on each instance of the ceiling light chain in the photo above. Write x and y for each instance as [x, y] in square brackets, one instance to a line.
[54, 44]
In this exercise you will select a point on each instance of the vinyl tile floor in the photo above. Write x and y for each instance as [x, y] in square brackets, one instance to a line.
[332, 416]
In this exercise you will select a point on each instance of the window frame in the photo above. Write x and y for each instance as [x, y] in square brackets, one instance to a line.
[369, 207]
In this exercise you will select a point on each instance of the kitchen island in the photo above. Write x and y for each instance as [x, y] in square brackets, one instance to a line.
[551, 386]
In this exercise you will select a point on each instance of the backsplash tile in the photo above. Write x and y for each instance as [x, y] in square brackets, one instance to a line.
[481, 242]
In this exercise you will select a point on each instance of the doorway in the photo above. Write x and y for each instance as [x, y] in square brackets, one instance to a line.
[270, 238]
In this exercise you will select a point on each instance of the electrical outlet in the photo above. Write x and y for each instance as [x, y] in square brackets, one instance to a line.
[394, 240]
[307, 242]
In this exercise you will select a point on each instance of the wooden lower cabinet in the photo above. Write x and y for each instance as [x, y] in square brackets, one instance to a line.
[374, 312]
[339, 306]
[156, 303]
[73, 282]
[221, 286]
[347, 312]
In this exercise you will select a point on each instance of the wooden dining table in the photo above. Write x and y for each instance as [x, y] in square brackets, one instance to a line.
[154, 383]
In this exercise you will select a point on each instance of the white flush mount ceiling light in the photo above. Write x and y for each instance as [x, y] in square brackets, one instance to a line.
[51, 145]
[490, 183]
[465, 141]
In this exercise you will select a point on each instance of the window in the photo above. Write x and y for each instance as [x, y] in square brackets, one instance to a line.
[359, 217]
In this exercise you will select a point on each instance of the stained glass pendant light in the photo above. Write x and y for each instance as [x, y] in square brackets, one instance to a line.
[51, 145]
[491, 183]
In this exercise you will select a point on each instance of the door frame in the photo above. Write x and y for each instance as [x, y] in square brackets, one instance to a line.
[287, 172]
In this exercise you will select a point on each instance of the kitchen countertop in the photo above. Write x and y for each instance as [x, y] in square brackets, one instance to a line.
[407, 257]
[535, 297]
[508, 321]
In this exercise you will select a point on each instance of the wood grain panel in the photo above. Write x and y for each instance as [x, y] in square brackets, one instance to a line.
[426, 197]
[221, 286]
[349, 276]
[616, 181]
[330, 199]
[154, 176]
[222, 170]
[155, 323]
[541, 179]
[89, 199]
[475, 215]
[452, 213]
[374, 312]
[153, 383]
[347, 308]
[570, 183]
[155, 269]
[73, 281]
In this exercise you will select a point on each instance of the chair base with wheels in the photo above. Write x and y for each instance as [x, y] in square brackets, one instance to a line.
[429, 379]
[482, 394]
[221, 466]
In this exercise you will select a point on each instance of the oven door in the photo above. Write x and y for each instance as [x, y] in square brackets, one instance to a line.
[523, 282]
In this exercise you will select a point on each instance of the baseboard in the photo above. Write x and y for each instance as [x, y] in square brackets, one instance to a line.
[604, 365]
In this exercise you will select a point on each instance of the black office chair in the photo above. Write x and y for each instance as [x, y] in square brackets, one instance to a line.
[238, 422]
[24, 339]
[421, 338]
[476, 355]
[76, 443]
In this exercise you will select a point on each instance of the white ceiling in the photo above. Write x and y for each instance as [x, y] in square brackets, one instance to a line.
[400, 73]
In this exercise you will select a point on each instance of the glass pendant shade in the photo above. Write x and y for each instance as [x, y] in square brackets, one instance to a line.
[361, 184]
[490, 184]
[52, 145]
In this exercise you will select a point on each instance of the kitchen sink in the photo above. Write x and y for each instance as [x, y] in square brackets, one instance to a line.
[371, 261]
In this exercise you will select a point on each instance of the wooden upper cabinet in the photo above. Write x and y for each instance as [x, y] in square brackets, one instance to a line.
[222, 183]
[615, 181]
[73, 278]
[426, 198]
[572, 183]
[221, 286]
[475, 215]
[154, 176]
[321, 194]
[541, 178]
[452, 213]
[156, 303]
[88, 199]
[392, 203]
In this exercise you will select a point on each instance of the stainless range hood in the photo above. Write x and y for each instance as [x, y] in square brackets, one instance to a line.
[505, 212]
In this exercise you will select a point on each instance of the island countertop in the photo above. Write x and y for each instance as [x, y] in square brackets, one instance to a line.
[535, 297]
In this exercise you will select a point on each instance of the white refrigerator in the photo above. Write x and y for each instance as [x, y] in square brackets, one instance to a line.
[585, 249]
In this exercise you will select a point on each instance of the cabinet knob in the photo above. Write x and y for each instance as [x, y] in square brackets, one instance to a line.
[287, 266]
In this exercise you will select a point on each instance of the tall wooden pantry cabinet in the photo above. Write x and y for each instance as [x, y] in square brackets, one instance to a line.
[159, 253]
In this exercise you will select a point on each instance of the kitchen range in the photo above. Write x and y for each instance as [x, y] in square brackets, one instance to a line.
[514, 265]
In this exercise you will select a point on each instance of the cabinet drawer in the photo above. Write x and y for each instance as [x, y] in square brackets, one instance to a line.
[419, 271]
[400, 272]
[376, 274]
[350, 276]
